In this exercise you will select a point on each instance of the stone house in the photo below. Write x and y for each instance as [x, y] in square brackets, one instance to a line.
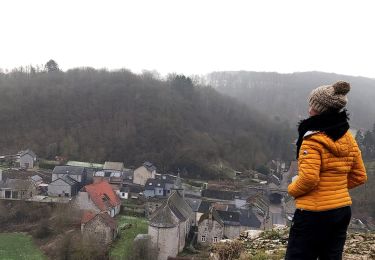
[98, 197]
[64, 186]
[170, 225]
[237, 221]
[210, 228]
[75, 172]
[17, 189]
[26, 159]
[232, 225]
[143, 173]
[99, 226]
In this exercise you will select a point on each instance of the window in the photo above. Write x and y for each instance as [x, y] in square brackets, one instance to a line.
[203, 238]
[215, 239]
[160, 191]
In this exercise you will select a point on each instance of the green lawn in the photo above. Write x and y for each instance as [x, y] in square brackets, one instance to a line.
[121, 247]
[18, 246]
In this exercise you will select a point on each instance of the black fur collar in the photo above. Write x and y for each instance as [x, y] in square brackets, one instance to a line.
[333, 124]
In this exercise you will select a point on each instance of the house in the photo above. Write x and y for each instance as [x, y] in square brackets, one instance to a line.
[237, 221]
[260, 204]
[91, 168]
[170, 225]
[26, 159]
[98, 197]
[100, 226]
[160, 187]
[194, 203]
[143, 173]
[113, 177]
[75, 172]
[17, 189]
[130, 190]
[116, 166]
[210, 228]
[64, 186]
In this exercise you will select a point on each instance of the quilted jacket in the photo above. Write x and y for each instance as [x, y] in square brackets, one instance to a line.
[326, 170]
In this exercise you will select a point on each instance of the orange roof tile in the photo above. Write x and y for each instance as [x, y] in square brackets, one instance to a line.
[102, 195]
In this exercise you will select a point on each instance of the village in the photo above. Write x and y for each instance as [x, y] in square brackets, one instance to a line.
[183, 216]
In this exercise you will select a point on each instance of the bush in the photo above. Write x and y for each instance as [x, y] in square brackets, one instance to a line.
[228, 250]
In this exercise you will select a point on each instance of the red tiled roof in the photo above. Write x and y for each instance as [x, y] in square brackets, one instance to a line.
[87, 216]
[102, 195]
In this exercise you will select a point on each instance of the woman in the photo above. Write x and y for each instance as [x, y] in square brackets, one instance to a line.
[329, 164]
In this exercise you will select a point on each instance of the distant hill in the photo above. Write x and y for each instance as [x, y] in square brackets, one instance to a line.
[284, 96]
[96, 115]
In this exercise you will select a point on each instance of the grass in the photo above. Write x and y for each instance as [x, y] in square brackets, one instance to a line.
[18, 246]
[122, 247]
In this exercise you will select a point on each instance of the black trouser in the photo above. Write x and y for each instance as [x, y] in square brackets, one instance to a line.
[318, 235]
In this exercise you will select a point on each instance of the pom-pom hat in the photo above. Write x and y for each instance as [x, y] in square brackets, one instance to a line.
[329, 97]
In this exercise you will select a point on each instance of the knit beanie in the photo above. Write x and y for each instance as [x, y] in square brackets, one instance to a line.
[329, 97]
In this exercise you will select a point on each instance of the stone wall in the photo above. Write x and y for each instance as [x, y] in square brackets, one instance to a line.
[210, 231]
[165, 240]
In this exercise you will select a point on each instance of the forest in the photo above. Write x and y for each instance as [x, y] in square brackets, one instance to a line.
[284, 96]
[98, 115]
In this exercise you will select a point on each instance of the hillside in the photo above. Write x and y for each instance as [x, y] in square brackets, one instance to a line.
[284, 96]
[96, 115]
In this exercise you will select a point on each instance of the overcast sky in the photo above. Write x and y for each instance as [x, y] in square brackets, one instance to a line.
[192, 36]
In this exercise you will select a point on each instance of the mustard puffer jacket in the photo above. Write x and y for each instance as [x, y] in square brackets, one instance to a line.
[326, 170]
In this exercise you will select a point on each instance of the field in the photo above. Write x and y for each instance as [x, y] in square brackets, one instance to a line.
[18, 246]
[121, 248]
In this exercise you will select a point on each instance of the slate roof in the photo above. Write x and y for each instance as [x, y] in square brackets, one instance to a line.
[36, 178]
[27, 151]
[24, 175]
[248, 218]
[151, 184]
[70, 181]
[229, 218]
[215, 216]
[102, 195]
[204, 206]
[163, 218]
[194, 203]
[117, 166]
[71, 170]
[174, 210]
[149, 166]
[16, 184]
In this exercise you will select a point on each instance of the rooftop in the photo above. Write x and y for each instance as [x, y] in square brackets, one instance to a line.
[71, 170]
